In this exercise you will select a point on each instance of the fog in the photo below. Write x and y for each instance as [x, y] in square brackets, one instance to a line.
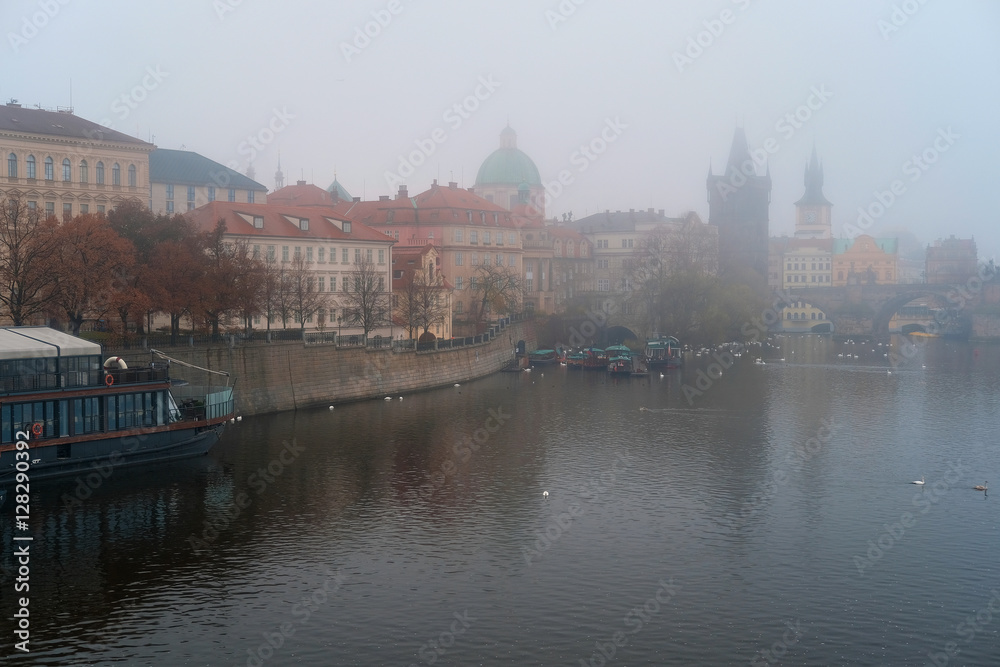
[901, 91]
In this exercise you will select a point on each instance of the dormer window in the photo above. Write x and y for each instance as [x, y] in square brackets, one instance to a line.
[347, 227]
[304, 224]
[258, 222]
[468, 214]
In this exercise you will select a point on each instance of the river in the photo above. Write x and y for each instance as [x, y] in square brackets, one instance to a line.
[761, 515]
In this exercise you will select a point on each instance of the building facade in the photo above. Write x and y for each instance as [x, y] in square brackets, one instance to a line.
[317, 239]
[951, 261]
[63, 165]
[421, 295]
[181, 181]
[469, 232]
[864, 260]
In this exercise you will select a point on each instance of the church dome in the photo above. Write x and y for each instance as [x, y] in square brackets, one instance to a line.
[508, 165]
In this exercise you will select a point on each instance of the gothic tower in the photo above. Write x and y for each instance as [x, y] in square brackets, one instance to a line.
[738, 202]
[812, 212]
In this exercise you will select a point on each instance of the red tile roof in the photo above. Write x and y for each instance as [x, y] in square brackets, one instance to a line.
[277, 223]
[438, 205]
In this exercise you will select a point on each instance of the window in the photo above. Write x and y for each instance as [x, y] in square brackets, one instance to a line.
[473, 237]
[132, 177]
[250, 198]
[32, 206]
[320, 284]
[381, 256]
[258, 222]
[529, 284]
[322, 255]
[50, 209]
[211, 193]
[284, 253]
[31, 167]
[357, 255]
[511, 260]
[84, 209]
[304, 224]
[12, 166]
[270, 253]
[67, 176]
[298, 251]
[49, 169]
[170, 206]
[499, 259]
[116, 174]
[190, 193]
[100, 209]
[84, 172]
[232, 194]
[347, 227]
[626, 243]
[67, 212]
[458, 283]
[100, 173]
[343, 256]
[475, 259]
[602, 263]
[486, 259]
[170, 191]
[510, 239]
[486, 238]
[333, 288]
[368, 254]
[603, 285]
[459, 260]
[256, 251]
[459, 234]
[459, 307]
[468, 215]
[309, 254]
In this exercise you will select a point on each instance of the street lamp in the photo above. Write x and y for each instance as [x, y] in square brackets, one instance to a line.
[338, 329]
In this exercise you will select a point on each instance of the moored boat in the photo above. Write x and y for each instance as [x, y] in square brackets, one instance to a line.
[663, 352]
[576, 360]
[619, 360]
[63, 412]
[597, 359]
[543, 357]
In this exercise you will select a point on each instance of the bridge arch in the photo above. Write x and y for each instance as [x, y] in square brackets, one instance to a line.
[615, 335]
[885, 312]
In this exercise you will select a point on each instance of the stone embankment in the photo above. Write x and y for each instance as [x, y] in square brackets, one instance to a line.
[290, 375]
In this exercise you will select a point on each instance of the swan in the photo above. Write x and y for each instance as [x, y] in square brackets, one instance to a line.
[545, 494]
[457, 385]
[331, 407]
[388, 398]
[921, 481]
[982, 487]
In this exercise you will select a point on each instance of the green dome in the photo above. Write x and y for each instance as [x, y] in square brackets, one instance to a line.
[508, 165]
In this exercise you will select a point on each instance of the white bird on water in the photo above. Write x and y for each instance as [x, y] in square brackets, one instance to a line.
[920, 482]
[981, 487]
[545, 494]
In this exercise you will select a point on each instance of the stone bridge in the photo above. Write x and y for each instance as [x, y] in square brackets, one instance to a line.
[867, 309]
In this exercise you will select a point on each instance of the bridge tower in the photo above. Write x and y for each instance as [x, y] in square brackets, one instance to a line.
[812, 212]
[738, 202]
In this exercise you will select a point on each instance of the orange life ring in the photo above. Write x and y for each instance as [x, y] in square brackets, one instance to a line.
[109, 379]
[36, 428]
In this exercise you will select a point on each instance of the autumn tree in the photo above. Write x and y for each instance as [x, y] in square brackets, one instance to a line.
[88, 256]
[366, 301]
[249, 282]
[218, 295]
[178, 268]
[497, 290]
[26, 248]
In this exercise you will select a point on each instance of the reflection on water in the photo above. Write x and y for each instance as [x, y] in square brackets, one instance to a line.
[770, 512]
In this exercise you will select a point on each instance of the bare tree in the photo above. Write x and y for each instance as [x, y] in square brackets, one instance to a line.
[303, 296]
[366, 301]
[422, 302]
[498, 291]
[27, 244]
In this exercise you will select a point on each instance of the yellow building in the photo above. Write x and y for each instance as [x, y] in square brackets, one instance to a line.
[181, 181]
[64, 165]
[865, 260]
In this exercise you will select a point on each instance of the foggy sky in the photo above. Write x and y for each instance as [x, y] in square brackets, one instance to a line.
[886, 80]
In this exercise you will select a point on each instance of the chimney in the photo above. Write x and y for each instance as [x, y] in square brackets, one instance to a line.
[402, 192]
[300, 182]
[357, 199]
[472, 190]
[383, 197]
[453, 185]
[434, 183]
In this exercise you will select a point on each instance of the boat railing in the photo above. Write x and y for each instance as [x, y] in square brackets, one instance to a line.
[155, 373]
[197, 402]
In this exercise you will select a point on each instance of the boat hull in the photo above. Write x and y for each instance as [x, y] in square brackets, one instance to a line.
[48, 461]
